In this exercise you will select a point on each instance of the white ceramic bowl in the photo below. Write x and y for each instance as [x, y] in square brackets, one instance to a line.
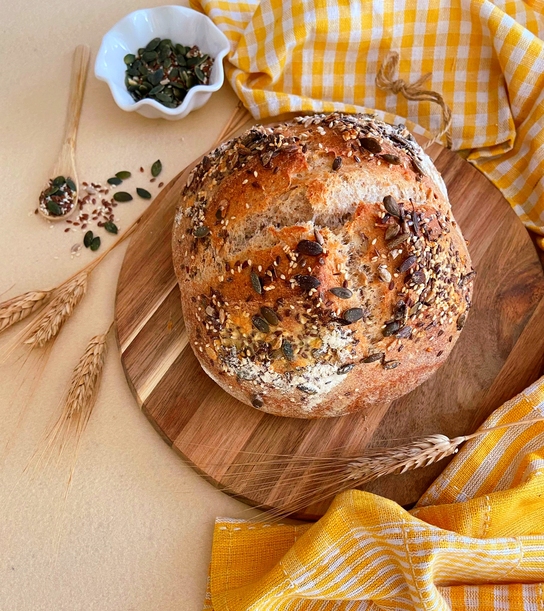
[182, 25]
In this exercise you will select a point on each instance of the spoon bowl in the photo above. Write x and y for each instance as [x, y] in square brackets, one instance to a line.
[59, 195]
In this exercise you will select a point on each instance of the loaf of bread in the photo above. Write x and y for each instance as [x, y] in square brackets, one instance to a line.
[321, 269]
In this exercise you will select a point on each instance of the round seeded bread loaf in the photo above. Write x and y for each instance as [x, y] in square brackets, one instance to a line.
[320, 266]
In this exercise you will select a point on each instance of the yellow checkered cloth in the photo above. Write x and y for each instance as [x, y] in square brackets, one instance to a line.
[486, 59]
[476, 538]
[474, 541]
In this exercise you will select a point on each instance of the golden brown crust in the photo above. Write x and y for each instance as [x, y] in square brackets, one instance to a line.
[320, 266]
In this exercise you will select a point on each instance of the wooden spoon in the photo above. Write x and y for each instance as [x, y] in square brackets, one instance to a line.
[66, 196]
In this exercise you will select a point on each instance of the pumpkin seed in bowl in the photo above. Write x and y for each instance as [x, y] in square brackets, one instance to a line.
[165, 71]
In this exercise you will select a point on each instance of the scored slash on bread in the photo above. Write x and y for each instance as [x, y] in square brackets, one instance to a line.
[321, 269]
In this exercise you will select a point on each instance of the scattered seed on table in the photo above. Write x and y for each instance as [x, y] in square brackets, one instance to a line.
[156, 168]
[122, 196]
[88, 238]
[143, 193]
[111, 227]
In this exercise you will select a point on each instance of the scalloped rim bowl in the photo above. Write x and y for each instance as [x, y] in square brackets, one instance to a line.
[182, 25]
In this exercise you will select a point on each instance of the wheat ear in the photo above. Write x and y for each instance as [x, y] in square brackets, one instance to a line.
[16, 309]
[56, 313]
[422, 452]
[309, 479]
[79, 401]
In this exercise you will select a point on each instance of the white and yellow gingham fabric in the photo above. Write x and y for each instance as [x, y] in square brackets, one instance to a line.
[475, 541]
[486, 59]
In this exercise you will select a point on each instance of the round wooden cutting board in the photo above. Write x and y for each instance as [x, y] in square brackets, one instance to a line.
[500, 352]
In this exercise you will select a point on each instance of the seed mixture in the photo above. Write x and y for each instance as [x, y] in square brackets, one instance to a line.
[165, 71]
[57, 198]
[95, 206]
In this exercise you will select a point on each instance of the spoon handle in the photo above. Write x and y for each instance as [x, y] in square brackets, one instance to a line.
[80, 67]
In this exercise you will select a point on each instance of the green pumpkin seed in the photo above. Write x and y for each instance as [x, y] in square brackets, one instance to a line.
[95, 244]
[71, 184]
[114, 181]
[155, 77]
[143, 70]
[53, 208]
[200, 75]
[153, 44]
[163, 97]
[201, 232]
[260, 324]
[143, 193]
[88, 238]
[195, 61]
[181, 50]
[256, 283]
[123, 175]
[129, 58]
[156, 168]
[111, 227]
[150, 56]
[270, 316]
[59, 180]
[122, 196]
[181, 60]
[51, 191]
[173, 73]
[287, 349]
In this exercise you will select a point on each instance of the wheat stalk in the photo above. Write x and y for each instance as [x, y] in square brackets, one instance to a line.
[79, 401]
[58, 311]
[16, 309]
[377, 462]
[310, 479]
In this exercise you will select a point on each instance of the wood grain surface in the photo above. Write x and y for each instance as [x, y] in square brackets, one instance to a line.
[500, 352]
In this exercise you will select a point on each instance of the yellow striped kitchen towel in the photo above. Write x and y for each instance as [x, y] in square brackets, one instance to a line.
[485, 57]
[474, 541]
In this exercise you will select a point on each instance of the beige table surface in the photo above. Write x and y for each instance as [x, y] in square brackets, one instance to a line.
[135, 531]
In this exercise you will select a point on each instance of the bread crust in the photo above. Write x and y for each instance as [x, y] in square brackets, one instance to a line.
[271, 221]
